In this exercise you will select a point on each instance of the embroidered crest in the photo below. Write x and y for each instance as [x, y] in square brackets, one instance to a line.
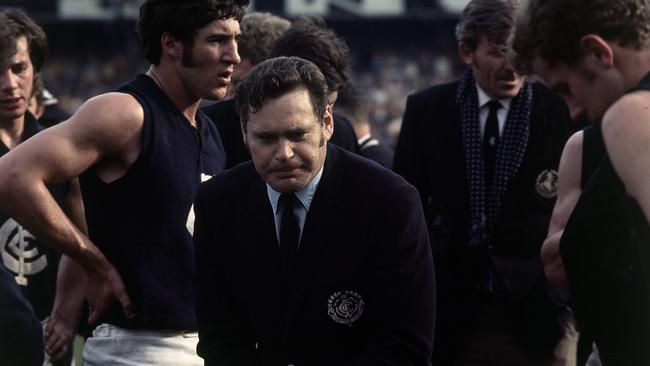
[546, 183]
[345, 307]
[19, 254]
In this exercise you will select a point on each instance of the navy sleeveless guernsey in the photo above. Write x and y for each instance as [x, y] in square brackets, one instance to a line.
[139, 220]
[33, 264]
[606, 251]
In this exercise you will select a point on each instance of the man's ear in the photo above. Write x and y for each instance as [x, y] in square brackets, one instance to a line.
[171, 46]
[466, 53]
[328, 122]
[596, 46]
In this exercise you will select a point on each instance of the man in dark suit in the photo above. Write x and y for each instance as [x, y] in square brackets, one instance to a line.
[308, 38]
[309, 255]
[483, 153]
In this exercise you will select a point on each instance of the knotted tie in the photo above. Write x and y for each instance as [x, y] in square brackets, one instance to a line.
[289, 229]
[491, 141]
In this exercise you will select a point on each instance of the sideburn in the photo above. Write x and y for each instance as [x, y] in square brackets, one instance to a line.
[187, 60]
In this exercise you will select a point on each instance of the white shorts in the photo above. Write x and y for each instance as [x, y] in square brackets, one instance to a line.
[111, 345]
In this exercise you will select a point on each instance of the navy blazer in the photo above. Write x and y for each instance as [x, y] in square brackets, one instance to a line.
[430, 156]
[363, 289]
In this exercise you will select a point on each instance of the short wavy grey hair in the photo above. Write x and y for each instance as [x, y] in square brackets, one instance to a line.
[258, 34]
[494, 19]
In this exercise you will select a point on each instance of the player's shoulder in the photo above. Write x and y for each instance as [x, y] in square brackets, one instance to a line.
[628, 116]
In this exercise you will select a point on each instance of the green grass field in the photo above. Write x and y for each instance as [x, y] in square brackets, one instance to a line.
[78, 349]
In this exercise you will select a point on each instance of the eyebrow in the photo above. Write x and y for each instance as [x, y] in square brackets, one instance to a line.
[289, 133]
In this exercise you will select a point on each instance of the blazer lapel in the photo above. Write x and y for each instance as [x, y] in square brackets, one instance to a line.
[261, 230]
[320, 220]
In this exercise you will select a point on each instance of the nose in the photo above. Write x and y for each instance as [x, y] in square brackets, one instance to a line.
[284, 150]
[8, 81]
[577, 112]
[231, 53]
[507, 65]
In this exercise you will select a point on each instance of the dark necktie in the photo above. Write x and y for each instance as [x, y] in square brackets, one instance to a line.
[491, 141]
[289, 229]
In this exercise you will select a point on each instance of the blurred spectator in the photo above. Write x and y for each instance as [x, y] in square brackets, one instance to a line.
[353, 105]
[387, 77]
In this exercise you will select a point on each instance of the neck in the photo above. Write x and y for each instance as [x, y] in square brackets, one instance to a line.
[170, 84]
[633, 64]
[361, 129]
[11, 132]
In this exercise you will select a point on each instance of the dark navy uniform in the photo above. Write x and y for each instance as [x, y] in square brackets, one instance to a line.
[33, 264]
[139, 220]
[605, 248]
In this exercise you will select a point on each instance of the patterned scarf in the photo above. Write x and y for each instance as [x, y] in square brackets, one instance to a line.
[485, 206]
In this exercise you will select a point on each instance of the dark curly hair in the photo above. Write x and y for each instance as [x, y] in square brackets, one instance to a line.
[181, 19]
[18, 24]
[310, 39]
[276, 77]
[551, 30]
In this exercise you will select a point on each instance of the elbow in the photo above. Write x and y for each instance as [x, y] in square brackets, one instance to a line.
[13, 185]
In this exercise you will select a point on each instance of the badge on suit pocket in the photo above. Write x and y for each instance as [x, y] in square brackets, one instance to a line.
[546, 183]
[345, 307]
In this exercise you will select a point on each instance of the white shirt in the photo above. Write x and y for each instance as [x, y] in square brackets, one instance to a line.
[484, 110]
[305, 196]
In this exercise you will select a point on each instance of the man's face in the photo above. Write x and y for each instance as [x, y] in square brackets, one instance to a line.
[587, 90]
[16, 84]
[206, 71]
[287, 141]
[492, 69]
[238, 74]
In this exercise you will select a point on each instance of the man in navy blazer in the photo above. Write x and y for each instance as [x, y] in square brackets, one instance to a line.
[484, 152]
[308, 254]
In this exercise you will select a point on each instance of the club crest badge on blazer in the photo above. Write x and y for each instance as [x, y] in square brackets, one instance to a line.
[546, 183]
[345, 307]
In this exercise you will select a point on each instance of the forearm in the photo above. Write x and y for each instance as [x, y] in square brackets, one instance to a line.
[30, 203]
[552, 260]
[70, 290]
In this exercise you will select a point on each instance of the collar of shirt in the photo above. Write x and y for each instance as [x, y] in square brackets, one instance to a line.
[305, 196]
[502, 114]
[363, 139]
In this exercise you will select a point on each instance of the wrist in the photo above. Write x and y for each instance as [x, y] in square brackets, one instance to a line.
[92, 260]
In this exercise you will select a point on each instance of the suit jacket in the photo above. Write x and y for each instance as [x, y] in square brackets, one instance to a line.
[430, 156]
[225, 117]
[363, 289]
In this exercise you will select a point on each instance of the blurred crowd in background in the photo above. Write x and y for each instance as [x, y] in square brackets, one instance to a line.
[389, 67]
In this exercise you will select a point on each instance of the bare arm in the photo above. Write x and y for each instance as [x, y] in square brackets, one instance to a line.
[106, 127]
[568, 193]
[626, 132]
[71, 281]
